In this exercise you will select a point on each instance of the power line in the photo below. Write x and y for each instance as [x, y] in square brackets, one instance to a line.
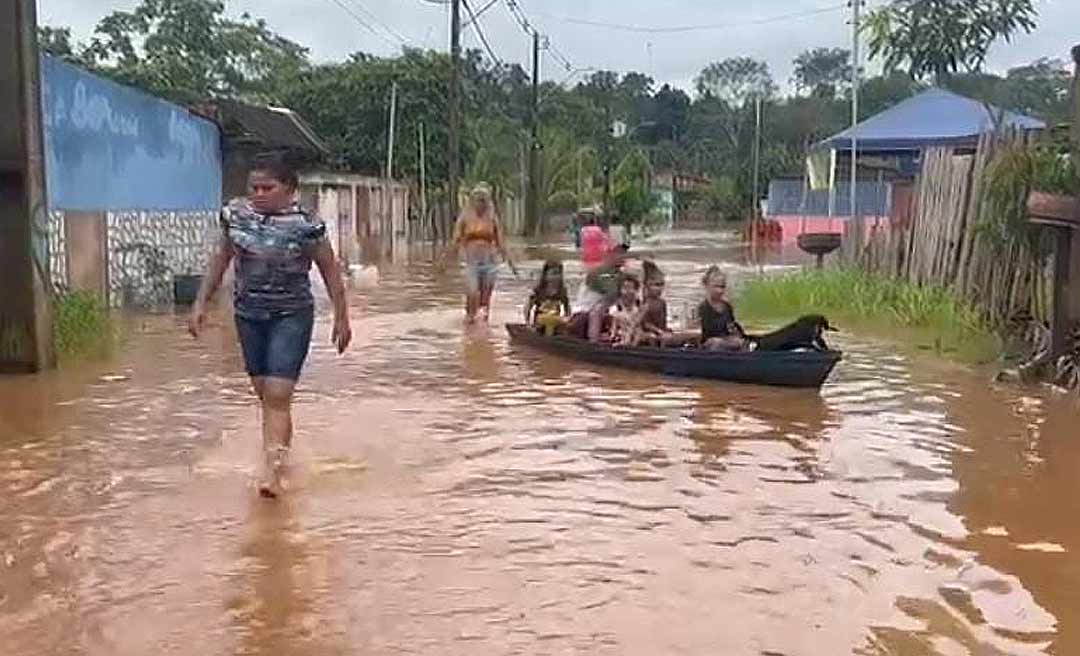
[691, 28]
[362, 22]
[519, 16]
[375, 19]
[560, 57]
[480, 33]
[483, 10]
[518, 12]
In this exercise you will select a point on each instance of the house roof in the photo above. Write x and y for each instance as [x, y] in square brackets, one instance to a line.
[935, 117]
[270, 127]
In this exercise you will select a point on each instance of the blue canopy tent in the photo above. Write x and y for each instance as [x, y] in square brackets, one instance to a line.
[933, 118]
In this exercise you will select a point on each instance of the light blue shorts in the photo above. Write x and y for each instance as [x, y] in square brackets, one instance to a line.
[480, 273]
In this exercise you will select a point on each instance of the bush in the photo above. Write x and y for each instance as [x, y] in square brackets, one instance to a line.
[82, 324]
[930, 316]
[723, 198]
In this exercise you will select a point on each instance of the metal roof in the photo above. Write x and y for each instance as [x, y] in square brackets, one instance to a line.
[271, 127]
[936, 117]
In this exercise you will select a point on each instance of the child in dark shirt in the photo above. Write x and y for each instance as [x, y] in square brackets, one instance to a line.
[653, 329]
[719, 329]
[549, 301]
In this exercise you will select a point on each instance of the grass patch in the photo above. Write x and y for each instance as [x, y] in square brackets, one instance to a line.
[82, 325]
[927, 318]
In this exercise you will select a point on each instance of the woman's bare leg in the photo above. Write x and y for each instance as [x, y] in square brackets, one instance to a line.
[487, 288]
[276, 396]
[472, 303]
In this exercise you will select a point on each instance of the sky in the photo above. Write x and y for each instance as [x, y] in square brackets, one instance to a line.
[772, 30]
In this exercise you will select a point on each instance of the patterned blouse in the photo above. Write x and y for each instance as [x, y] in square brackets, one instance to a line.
[273, 255]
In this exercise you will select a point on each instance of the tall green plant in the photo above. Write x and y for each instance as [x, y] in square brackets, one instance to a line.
[1015, 171]
[82, 324]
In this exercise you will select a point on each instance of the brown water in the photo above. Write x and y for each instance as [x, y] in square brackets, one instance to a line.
[452, 495]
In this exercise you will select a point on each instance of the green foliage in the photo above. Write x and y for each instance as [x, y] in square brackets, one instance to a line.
[570, 171]
[931, 317]
[630, 190]
[186, 50]
[880, 93]
[82, 324]
[936, 38]
[724, 199]
[1039, 89]
[57, 42]
[736, 81]
[823, 71]
[1016, 171]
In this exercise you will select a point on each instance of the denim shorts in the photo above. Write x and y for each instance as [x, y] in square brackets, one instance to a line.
[480, 272]
[276, 347]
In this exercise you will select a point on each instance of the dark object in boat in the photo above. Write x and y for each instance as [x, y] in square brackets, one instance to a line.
[804, 333]
[784, 368]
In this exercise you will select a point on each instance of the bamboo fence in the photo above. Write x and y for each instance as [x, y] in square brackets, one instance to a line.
[944, 242]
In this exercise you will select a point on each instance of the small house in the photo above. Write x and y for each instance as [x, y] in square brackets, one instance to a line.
[888, 149]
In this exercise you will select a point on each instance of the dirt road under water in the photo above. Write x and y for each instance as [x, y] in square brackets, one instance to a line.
[451, 495]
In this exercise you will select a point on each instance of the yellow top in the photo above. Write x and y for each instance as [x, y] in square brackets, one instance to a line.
[477, 229]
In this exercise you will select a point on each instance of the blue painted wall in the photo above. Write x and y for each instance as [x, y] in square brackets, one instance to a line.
[786, 198]
[110, 147]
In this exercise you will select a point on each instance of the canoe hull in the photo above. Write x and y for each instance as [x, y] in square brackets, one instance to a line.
[786, 368]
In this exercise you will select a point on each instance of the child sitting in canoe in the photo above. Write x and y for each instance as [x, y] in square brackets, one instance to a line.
[626, 312]
[653, 325]
[719, 329]
[549, 301]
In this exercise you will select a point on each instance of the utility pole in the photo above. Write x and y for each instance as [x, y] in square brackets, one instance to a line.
[26, 343]
[454, 148]
[607, 156]
[532, 212]
[674, 176]
[855, 76]
[756, 202]
[388, 193]
[1075, 118]
[421, 141]
[390, 134]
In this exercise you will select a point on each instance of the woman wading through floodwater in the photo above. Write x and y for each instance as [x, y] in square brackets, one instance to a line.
[478, 236]
[274, 242]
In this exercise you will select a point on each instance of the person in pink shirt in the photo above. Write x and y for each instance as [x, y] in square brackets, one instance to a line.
[595, 247]
[594, 244]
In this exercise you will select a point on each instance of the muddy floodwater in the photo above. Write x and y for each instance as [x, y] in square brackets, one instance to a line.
[450, 494]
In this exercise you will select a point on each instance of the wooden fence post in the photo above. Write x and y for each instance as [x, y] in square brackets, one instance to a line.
[1074, 300]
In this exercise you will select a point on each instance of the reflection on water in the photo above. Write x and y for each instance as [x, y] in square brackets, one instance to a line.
[453, 495]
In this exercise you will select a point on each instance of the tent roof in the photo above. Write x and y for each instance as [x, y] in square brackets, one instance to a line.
[935, 117]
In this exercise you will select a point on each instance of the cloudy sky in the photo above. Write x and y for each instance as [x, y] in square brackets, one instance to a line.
[773, 30]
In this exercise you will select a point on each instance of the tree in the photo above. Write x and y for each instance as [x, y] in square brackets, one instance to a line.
[670, 112]
[570, 171]
[823, 71]
[937, 38]
[880, 93]
[736, 80]
[188, 51]
[630, 189]
[1040, 88]
[56, 42]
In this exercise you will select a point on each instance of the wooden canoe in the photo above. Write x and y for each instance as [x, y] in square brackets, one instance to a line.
[782, 368]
